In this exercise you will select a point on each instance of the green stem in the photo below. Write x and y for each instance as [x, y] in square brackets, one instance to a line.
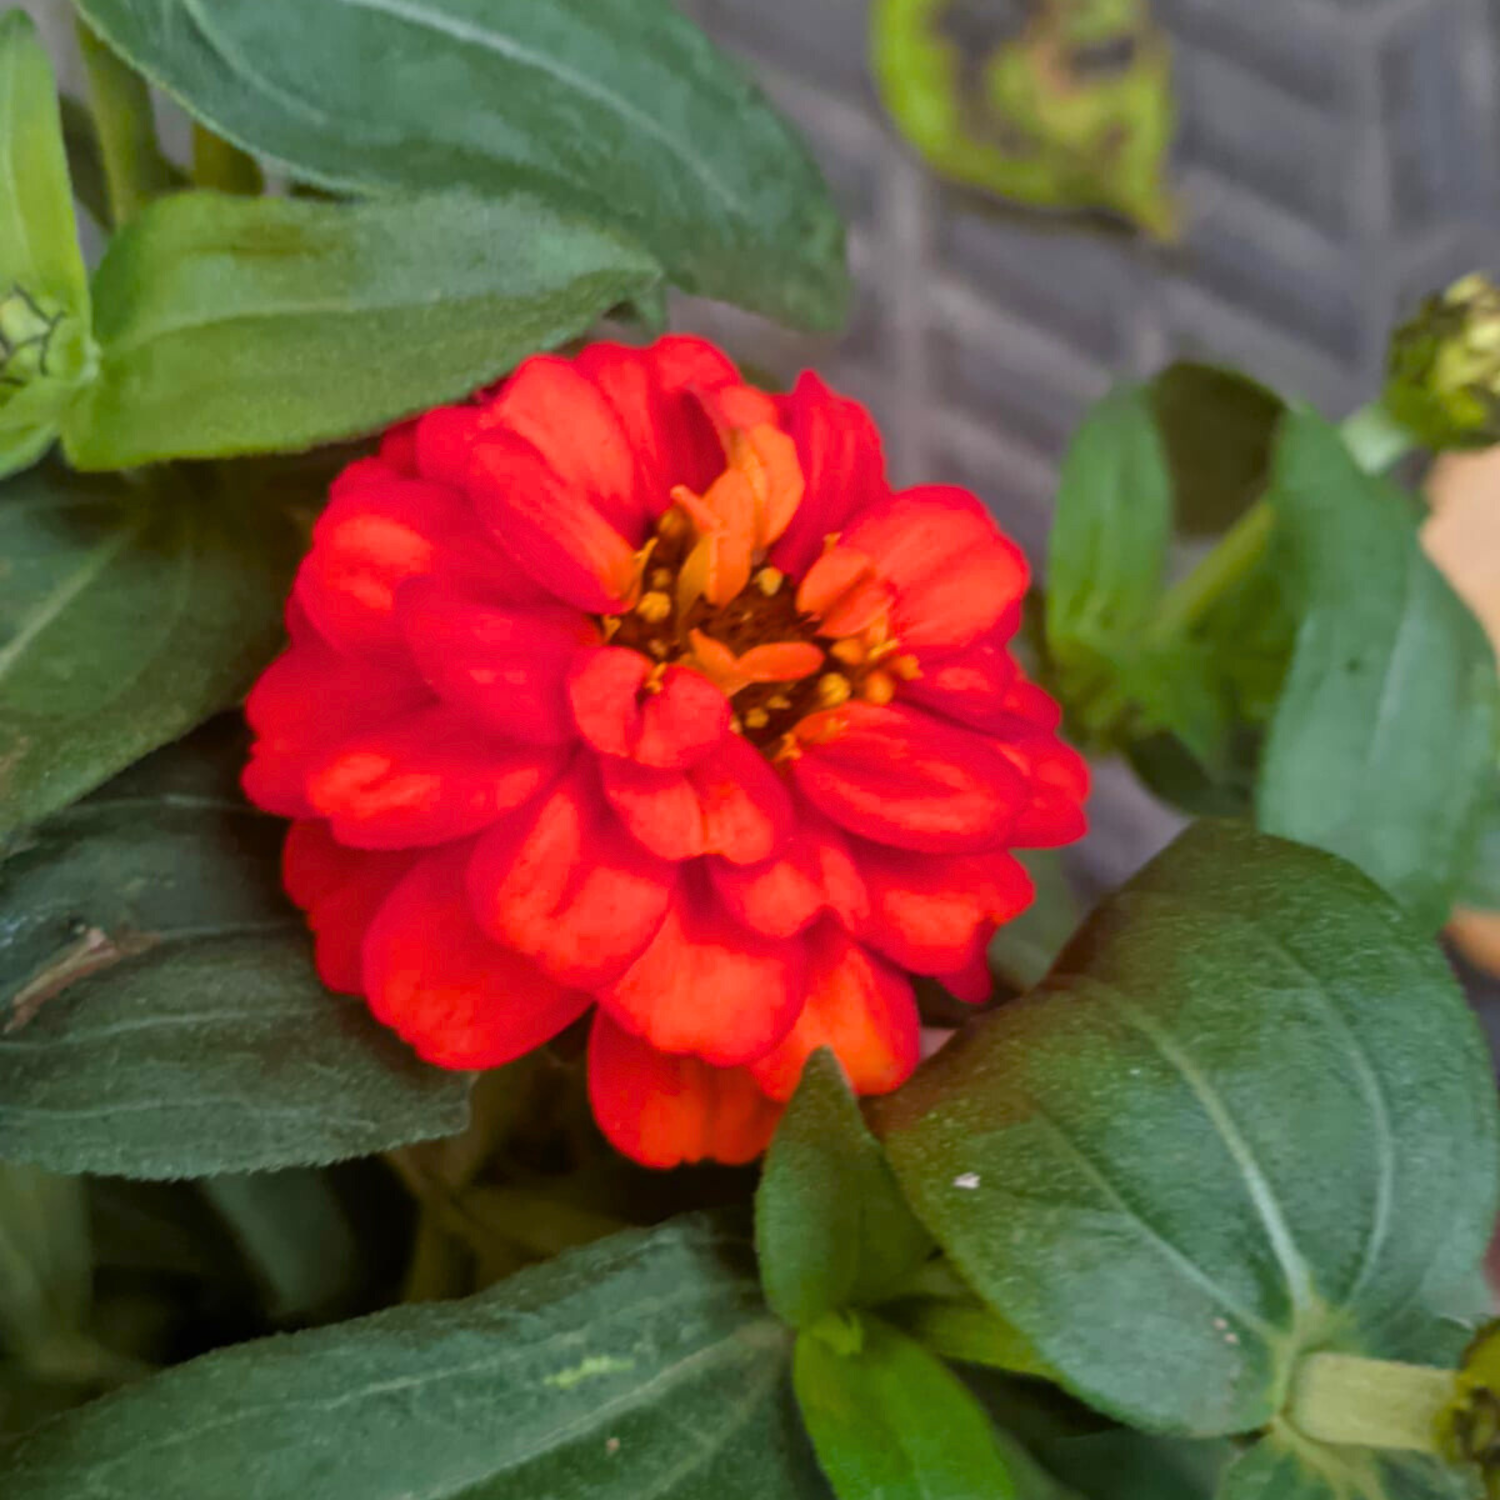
[1376, 439]
[1239, 550]
[1369, 1403]
[223, 167]
[135, 171]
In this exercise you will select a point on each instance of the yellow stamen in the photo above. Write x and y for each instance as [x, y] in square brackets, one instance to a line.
[757, 718]
[735, 726]
[654, 607]
[833, 688]
[778, 700]
[769, 580]
[907, 668]
[655, 678]
[878, 688]
[661, 578]
[610, 624]
[788, 749]
[849, 651]
[658, 649]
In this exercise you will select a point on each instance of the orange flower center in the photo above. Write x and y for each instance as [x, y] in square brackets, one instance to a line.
[705, 597]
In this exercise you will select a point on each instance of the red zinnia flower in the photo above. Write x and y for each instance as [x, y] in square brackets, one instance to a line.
[632, 685]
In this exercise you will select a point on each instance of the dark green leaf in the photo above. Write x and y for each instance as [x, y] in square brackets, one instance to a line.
[1249, 1115]
[128, 615]
[318, 320]
[161, 1015]
[1112, 528]
[293, 1233]
[1481, 883]
[889, 1419]
[625, 110]
[45, 350]
[85, 164]
[1383, 745]
[1286, 1466]
[44, 1259]
[1218, 427]
[831, 1225]
[1025, 947]
[1124, 1465]
[644, 1365]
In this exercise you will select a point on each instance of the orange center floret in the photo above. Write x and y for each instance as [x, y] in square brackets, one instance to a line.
[706, 598]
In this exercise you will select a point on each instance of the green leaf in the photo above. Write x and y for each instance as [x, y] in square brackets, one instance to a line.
[831, 1225]
[1112, 528]
[129, 614]
[1248, 1116]
[890, 1420]
[161, 1015]
[1383, 744]
[644, 1365]
[45, 351]
[623, 110]
[44, 1259]
[1287, 1466]
[320, 320]
[1024, 948]
[1124, 1465]
[1481, 883]
[1218, 428]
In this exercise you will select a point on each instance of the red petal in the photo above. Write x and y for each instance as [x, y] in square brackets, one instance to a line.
[461, 1000]
[708, 987]
[659, 808]
[1059, 780]
[507, 667]
[378, 531]
[860, 1007]
[564, 416]
[902, 777]
[665, 1111]
[553, 530]
[445, 440]
[308, 700]
[650, 392]
[971, 685]
[398, 448]
[564, 885]
[747, 812]
[973, 984]
[618, 714]
[341, 890]
[931, 914]
[816, 872]
[425, 778]
[838, 447]
[954, 573]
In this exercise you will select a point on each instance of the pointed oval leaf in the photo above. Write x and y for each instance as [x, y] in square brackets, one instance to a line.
[645, 1364]
[625, 110]
[322, 320]
[1249, 1115]
[159, 1013]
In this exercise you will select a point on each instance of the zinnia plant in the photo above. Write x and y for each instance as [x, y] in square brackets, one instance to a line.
[540, 950]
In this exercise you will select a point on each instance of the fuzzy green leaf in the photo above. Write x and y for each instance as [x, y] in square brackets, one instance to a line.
[646, 1364]
[624, 110]
[1249, 1115]
[159, 1013]
[322, 320]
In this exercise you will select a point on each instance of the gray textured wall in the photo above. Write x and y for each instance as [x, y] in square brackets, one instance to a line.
[1336, 159]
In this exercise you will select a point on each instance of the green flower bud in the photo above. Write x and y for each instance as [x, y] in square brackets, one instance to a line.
[26, 331]
[1469, 1427]
[1444, 379]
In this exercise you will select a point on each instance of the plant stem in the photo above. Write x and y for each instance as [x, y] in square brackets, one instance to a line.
[1375, 441]
[1375, 438]
[1237, 552]
[1369, 1403]
[224, 167]
[135, 171]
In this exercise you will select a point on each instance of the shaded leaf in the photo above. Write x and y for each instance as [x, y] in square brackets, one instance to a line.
[889, 1419]
[626, 111]
[44, 1259]
[1121, 1161]
[1287, 1466]
[1383, 744]
[161, 1017]
[129, 614]
[321, 320]
[831, 1226]
[644, 1365]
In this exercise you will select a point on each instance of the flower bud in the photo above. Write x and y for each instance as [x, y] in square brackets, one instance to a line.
[1469, 1428]
[1444, 377]
[25, 335]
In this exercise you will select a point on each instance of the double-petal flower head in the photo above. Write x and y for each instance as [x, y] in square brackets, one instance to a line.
[630, 687]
